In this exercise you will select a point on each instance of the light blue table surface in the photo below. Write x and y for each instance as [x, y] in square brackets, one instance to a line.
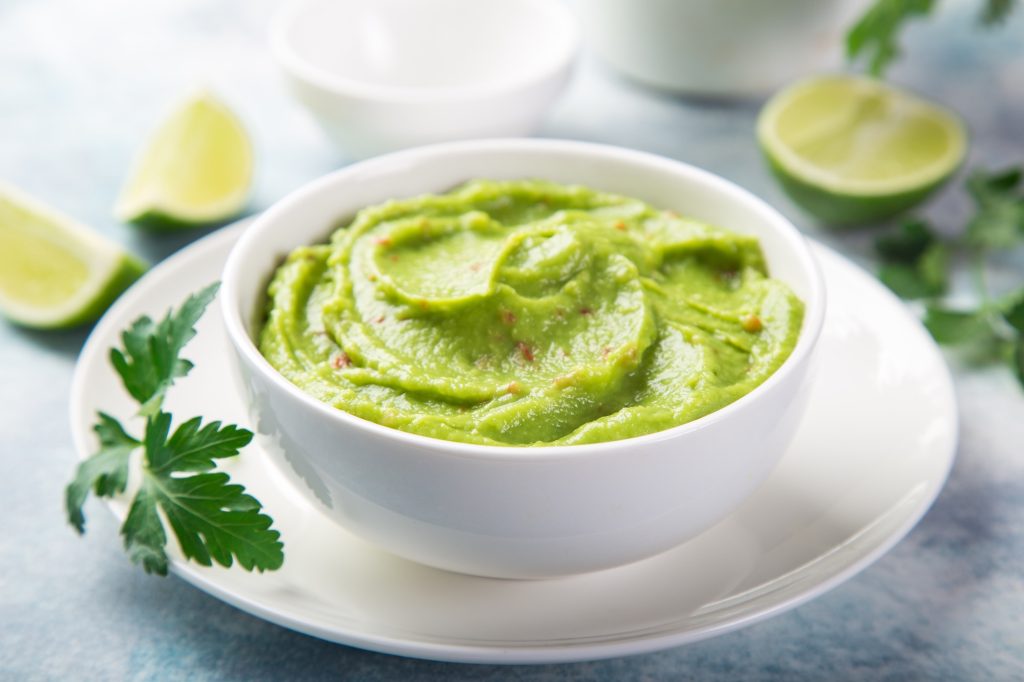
[81, 84]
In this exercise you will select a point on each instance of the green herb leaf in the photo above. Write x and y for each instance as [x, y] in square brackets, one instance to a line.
[105, 472]
[996, 11]
[933, 266]
[917, 263]
[875, 35]
[907, 244]
[1018, 360]
[998, 184]
[999, 221]
[212, 519]
[143, 533]
[194, 447]
[957, 326]
[905, 281]
[997, 227]
[1013, 310]
[150, 362]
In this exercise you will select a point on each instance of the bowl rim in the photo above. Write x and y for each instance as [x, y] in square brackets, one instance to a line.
[289, 59]
[814, 312]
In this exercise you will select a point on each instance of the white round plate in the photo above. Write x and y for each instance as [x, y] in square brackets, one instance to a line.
[873, 452]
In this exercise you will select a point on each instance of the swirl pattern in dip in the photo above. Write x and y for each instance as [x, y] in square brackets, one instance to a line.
[528, 313]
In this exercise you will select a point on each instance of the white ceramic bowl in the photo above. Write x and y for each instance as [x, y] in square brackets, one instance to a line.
[390, 74]
[719, 47]
[506, 511]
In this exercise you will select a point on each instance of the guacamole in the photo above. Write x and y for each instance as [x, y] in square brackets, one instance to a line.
[528, 313]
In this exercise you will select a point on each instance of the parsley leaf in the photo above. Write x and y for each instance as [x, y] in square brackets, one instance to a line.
[1017, 362]
[996, 11]
[978, 337]
[999, 222]
[105, 473]
[915, 261]
[908, 244]
[916, 264]
[875, 35]
[193, 447]
[956, 326]
[1013, 310]
[143, 532]
[149, 363]
[211, 518]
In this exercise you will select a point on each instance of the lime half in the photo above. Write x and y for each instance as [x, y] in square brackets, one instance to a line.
[54, 271]
[850, 149]
[196, 169]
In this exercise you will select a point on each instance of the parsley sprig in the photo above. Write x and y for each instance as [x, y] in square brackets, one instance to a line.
[212, 518]
[875, 36]
[916, 263]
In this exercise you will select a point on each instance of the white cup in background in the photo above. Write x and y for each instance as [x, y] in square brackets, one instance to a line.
[718, 47]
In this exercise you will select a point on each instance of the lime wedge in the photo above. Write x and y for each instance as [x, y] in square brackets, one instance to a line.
[850, 149]
[54, 271]
[196, 169]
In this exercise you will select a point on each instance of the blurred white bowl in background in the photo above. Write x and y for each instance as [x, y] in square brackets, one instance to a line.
[718, 47]
[388, 74]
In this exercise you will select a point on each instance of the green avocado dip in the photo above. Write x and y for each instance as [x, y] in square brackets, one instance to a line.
[528, 313]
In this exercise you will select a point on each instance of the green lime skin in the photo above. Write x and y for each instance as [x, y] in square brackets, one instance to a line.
[845, 210]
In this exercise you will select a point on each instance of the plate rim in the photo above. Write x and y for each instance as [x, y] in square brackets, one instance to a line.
[512, 653]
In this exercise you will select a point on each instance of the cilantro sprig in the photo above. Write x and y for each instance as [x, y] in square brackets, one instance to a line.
[915, 261]
[212, 518]
[874, 38]
[916, 264]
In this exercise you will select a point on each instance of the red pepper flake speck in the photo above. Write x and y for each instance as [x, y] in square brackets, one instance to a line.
[393, 257]
[475, 267]
[508, 317]
[341, 360]
[586, 311]
[379, 319]
[525, 351]
[620, 225]
[605, 351]
[382, 241]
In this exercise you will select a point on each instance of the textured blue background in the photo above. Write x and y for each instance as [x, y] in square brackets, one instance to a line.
[81, 84]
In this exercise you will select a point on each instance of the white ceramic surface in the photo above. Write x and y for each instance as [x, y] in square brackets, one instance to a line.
[521, 512]
[718, 47]
[866, 463]
[384, 75]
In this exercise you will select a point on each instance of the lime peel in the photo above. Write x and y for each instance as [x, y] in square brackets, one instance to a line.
[853, 149]
[54, 271]
[195, 169]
